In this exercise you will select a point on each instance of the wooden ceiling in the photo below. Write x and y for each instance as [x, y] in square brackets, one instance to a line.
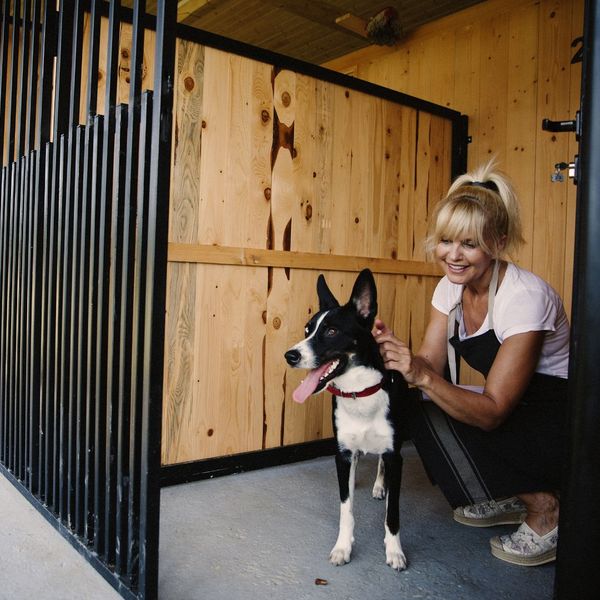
[311, 30]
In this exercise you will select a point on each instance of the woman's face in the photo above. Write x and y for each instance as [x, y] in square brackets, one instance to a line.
[463, 261]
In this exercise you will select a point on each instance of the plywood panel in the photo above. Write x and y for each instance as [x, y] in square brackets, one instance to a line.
[277, 177]
[553, 102]
[510, 70]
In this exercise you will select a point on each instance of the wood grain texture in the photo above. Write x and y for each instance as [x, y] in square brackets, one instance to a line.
[278, 177]
[506, 65]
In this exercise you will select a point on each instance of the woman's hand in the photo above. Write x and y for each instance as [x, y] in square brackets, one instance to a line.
[397, 356]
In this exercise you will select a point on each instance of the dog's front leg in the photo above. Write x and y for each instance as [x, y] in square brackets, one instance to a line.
[393, 475]
[345, 463]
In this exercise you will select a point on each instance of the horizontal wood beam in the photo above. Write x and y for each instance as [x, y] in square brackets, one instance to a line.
[256, 257]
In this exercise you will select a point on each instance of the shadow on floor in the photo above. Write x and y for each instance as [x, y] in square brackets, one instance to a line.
[267, 535]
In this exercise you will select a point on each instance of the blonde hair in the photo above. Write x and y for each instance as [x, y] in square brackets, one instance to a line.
[481, 206]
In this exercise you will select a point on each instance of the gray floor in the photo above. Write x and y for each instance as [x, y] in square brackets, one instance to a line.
[267, 534]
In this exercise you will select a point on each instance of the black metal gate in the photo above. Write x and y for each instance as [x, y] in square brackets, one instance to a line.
[83, 253]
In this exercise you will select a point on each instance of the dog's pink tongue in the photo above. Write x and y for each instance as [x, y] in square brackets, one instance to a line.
[309, 385]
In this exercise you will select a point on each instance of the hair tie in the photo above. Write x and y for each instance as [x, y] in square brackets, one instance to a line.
[488, 185]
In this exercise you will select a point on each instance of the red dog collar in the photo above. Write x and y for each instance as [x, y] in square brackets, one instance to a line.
[366, 392]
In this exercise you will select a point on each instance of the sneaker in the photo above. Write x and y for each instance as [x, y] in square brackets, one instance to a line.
[492, 512]
[525, 547]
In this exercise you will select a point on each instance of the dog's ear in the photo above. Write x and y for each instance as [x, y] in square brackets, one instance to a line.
[364, 297]
[326, 298]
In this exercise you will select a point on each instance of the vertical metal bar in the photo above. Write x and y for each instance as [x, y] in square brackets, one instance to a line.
[11, 290]
[69, 266]
[20, 399]
[58, 464]
[87, 315]
[137, 349]
[92, 462]
[62, 95]
[12, 87]
[34, 336]
[3, 309]
[102, 392]
[72, 267]
[114, 486]
[156, 269]
[23, 72]
[577, 574]
[32, 85]
[45, 482]
[43, 132]
[94, 55]
[4, 74]
[124, 375]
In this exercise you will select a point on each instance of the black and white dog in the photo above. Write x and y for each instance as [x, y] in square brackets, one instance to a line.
[343, 357]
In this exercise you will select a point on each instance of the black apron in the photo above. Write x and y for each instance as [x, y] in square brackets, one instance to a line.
[524, 454]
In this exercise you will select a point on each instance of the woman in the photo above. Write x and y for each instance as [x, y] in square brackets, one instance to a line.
[495, 452]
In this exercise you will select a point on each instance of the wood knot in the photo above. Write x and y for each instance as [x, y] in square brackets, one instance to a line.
[265, 116]
[267, 194]
[125, 53]
[276, 323]
[308, 212]
[189, 83]
[203, 124]
[210, 432]
[286, 99]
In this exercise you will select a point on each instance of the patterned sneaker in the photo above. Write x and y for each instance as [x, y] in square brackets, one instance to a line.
[525, 547]
[492, 512]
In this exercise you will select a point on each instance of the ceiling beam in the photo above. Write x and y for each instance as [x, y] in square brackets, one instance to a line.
[197, 8]
[320, 12]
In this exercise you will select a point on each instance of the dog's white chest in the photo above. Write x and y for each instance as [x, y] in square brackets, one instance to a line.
[362, 424]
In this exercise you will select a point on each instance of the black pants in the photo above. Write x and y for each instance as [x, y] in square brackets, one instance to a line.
[524, 454]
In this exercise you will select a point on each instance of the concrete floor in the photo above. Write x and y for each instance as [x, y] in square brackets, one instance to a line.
[267, 534]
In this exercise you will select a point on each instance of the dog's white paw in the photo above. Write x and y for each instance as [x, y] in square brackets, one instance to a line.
[340, 555]
[396, 560]
[378, 491]
[393, 552]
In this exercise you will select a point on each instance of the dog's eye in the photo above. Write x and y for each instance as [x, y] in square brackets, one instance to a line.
[331, 331]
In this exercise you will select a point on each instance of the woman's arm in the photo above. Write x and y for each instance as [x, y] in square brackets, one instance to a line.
[506, 382]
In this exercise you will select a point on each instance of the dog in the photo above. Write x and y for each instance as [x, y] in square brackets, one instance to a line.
[343, 358]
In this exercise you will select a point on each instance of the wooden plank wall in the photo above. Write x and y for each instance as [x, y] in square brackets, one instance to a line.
[506, 65]
[277, 177]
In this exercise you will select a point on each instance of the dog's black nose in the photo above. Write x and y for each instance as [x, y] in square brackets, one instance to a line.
[293, 357]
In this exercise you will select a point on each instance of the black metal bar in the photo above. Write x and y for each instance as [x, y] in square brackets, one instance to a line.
[23, 72]
[156, 270]
[114, 410]
[76, 60]
[44, 235]
[46, 79]
[137, 349]
[125, 366]
[102, 439]
[577, 573]
[75, 421]
[37, 160]
[11, 291]
[59, 198]
[92, 421]
[13, 81]
[91, 102]
[62, 78]
[4, 212]
[460, 146]
[4, 72]
[32, 85]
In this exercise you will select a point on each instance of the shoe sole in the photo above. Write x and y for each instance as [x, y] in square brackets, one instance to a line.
[524, 561]
[514, 518]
